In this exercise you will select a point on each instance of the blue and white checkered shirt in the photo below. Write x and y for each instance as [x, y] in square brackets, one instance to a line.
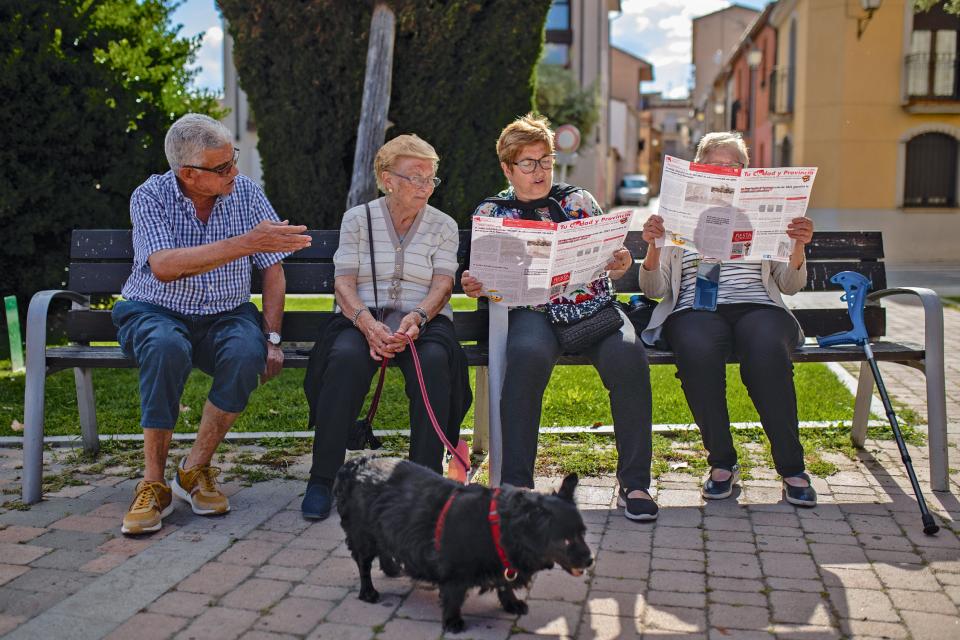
[164, 218]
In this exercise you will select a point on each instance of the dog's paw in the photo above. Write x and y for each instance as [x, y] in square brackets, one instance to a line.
[370, 595]
[517, 607]
[454, 625]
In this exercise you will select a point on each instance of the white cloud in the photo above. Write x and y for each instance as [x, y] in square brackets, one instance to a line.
[210, 60]
[676, 26]
[660, 31]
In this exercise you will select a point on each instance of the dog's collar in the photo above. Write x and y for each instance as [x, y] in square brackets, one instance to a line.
[493, 518]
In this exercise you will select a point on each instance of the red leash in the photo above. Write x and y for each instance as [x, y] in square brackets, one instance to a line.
[459, 457]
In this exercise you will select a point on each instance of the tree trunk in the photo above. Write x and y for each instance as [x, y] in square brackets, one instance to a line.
[376, 103]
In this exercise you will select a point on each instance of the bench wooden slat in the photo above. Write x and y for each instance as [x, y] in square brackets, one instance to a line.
[115, 244]
[112, 358]
[304, 326]
[298, 326]
[101, 261]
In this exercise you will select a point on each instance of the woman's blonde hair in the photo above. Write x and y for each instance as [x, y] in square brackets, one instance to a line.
[522, 132]
[405, 146]
[719, 139]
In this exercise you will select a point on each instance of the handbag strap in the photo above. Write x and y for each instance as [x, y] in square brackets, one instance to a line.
[375, 402]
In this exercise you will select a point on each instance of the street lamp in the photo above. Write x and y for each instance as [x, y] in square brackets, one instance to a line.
[869, 6]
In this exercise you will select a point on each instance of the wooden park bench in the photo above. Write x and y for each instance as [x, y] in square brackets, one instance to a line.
[101, 262]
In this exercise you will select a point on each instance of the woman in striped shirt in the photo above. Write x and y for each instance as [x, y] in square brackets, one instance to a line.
[414, 253]
[751, 321]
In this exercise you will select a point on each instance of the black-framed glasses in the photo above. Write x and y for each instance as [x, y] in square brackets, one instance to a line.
[221, 169]
[420, 183]
[530, 165]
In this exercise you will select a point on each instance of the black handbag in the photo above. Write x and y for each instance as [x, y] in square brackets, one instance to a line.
[639, 311]
[577, 336]
[361, 434]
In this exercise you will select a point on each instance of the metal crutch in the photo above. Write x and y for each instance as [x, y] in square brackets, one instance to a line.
[856, 286]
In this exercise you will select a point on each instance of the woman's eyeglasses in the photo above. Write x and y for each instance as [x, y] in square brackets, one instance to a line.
[420, 183]
[221, 170]
[530, 165]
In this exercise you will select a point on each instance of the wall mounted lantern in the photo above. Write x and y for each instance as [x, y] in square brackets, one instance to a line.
[869, 7]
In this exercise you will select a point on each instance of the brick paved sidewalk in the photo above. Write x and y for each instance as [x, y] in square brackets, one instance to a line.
[748, 567]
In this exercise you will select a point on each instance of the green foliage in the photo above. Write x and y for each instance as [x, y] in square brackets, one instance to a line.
[462, 70]
[950, 6]
[563, 101]
[90, 88]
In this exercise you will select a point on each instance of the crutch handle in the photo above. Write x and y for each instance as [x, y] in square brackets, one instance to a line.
[855, 286]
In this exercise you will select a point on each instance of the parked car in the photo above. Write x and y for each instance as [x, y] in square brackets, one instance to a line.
[634, 189]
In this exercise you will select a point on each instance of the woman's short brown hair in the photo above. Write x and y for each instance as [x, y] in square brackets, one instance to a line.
[523, 132]
[409, 146]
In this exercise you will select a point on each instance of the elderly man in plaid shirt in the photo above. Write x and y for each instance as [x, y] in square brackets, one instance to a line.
[197, 232]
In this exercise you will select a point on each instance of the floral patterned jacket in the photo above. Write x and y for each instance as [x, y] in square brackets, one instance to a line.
[579, 203]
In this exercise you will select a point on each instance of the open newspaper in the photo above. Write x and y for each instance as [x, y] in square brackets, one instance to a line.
[732, 214]
[528, 262]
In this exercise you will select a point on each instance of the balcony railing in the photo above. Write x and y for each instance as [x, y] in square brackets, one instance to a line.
[781, 91]
[933, 76]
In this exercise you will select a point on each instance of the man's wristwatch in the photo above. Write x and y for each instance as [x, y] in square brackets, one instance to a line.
[273, 338]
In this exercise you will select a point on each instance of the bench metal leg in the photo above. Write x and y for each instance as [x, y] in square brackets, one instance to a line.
[861, 408]
[88, 409]
[937, 417]
[33, 424]
[497, 361]
[481, 411]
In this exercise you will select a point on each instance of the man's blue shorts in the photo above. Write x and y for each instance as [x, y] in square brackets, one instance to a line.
[166, 345]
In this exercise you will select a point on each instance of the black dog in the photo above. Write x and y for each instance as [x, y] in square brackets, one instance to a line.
[435, 530]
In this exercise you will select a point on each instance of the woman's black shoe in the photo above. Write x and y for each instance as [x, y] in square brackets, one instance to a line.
[802, 496]
[720, 489]
[643, 509]
[316, 501]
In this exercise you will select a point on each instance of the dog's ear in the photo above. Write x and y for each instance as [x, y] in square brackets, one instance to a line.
[567, 486]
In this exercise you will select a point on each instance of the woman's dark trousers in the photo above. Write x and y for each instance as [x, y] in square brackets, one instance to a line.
[345, 383]
[762, 337]
[621, 361]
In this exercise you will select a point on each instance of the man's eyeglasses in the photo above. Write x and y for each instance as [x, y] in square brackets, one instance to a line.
[221, 170]
[420, 183]
[530, 165]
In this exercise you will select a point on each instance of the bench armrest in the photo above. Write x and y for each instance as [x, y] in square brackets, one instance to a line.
[936, 381]
[37, 314]
[932, 313]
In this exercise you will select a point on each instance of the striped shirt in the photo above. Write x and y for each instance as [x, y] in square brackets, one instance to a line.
[164, 218]
[405, 267]
[739, 282]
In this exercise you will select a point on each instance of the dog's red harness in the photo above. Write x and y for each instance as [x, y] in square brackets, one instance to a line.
[492, 517]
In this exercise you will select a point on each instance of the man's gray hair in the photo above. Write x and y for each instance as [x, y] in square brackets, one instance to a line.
[717, 139]
[190, 136]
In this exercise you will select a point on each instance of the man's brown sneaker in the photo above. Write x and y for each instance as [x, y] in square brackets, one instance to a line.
[152, 501]
[198, 486]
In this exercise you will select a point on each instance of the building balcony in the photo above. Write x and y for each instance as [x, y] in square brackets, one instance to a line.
[932, 83]
[781, 95]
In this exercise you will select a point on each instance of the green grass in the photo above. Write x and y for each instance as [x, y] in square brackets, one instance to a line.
[575, 397]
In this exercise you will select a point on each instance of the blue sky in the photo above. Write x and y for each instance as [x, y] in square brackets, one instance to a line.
[656, 30]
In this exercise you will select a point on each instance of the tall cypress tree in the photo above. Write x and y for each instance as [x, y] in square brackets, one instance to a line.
[462, 70]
